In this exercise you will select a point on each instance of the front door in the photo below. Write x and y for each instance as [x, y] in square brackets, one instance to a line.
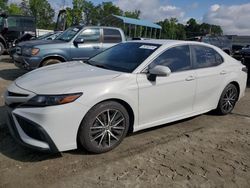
[90, 45]
[170, 97]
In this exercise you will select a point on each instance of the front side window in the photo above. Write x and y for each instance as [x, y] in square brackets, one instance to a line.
[205, 57]
[111, 36]
[124, 57]
[90, 35]
[176, 58]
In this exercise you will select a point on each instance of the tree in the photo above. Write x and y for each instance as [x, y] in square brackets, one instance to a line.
[106, 9]
[43, 13]
[134, 14]
[14, 9]
[24, 6]
[3, 4]
[192, 28]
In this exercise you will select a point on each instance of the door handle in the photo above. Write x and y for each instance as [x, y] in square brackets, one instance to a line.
[96, 47]
[223, 72]
[190, 78]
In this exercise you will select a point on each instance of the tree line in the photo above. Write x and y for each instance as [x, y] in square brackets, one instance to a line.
[85, 12]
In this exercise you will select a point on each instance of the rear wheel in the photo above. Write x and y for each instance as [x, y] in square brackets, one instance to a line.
[50, 62]
[1, 48]
[228, 100]
[104, 127]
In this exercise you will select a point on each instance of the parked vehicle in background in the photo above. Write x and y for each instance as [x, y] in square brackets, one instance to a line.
[76, 43]
[220, 41]
[129, 87]
[13, 27]
[47, 36]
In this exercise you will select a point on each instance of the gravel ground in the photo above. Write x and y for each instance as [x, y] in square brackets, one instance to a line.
[204, 151]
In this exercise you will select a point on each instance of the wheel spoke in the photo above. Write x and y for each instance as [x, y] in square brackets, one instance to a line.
[108, 116]
[98, 136]
[97, 127]
[117, 123]
[111, 134]
[104, 133]
[109, 139]
[113, 116]
[118, 128]
[100, 121]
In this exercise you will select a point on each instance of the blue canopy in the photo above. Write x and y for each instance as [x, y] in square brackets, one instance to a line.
[133, 21]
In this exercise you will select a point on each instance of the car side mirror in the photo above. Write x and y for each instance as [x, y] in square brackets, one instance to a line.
[49, 38]
[158, 70]
[78, 41]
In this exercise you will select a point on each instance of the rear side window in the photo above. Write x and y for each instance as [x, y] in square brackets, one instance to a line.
[111, 36]
[205, 57]
[176, 58]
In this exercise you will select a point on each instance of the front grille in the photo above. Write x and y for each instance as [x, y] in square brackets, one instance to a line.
[12, 94]
[30, 129]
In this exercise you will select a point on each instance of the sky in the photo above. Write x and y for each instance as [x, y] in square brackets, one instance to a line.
[233, 16]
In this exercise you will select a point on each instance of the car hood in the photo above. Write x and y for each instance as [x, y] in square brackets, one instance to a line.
[32, 43]
[63, 77]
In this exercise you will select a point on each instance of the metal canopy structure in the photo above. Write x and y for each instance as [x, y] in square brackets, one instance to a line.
[135, 28]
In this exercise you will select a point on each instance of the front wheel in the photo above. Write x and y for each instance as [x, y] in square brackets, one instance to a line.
[104, 127]
[228, 100]
[50, 62]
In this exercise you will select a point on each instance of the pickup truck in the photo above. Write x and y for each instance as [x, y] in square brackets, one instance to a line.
[76, 43]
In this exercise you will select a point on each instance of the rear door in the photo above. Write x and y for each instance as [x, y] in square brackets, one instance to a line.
[210, 75]
[91, 46]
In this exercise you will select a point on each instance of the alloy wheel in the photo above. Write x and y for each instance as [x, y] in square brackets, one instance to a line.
[229, 99]
[108, 128]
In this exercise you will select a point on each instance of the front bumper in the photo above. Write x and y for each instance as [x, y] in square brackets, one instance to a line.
[27, 62]
[24, 131]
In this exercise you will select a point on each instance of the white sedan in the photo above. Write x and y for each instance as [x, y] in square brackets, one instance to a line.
[129, 87]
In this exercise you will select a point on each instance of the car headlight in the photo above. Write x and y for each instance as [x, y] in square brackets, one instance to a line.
[35, 51]
[52, 100]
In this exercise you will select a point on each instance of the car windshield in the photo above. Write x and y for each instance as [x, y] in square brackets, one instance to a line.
[124, 57]
[68, 34]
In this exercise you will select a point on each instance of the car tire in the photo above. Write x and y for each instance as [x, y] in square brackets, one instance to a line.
[1, 48]
[227, 100]
[104, 127]
[50, 62]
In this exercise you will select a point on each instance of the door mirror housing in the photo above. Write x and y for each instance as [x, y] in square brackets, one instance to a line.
[158, 70]
[78, 41]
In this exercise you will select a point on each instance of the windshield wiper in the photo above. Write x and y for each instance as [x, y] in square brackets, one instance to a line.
[101, 66]
[94, 64]
[87, 62]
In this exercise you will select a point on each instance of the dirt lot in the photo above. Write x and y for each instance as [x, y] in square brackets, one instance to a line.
[204, 151]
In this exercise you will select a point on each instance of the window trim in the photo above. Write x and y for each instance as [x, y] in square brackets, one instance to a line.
[193, 56]
[145, 69]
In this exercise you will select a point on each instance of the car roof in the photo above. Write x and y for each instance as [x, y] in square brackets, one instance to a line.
[164, 42]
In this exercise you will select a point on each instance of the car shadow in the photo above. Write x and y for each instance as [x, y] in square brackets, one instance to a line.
[11, 74]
